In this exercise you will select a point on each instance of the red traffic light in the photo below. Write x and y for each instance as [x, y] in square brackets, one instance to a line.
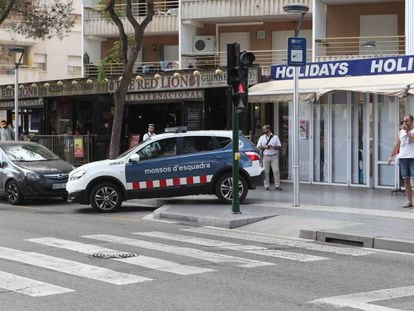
[240, 88]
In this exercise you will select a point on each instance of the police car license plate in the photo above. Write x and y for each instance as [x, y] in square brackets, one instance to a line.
[59, 186]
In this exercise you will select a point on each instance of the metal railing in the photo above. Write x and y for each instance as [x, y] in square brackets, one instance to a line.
[116, 69]
[358, 47]
[264, 58]
[74, 149]
[162, 8]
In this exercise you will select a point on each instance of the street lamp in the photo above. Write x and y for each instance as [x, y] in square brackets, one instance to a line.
[18, 51]
[296, 9]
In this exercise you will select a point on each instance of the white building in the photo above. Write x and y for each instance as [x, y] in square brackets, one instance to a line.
[49, 59]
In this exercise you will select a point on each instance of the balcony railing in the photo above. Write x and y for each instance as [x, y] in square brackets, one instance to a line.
[337, 48]
[204, 9]
[264, 58]
[98, 23]
[162, 8]
[116, 69]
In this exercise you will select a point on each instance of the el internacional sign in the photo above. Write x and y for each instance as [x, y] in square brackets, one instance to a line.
[359, 67]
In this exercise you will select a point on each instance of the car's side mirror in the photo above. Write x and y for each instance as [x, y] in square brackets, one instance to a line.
[134, 158]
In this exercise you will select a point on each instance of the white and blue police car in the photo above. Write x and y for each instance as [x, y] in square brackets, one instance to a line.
[168, 165]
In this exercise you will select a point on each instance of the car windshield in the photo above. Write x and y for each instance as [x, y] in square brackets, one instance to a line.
[29, 153]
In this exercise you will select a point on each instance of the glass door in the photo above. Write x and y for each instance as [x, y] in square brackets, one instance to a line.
[386, 130]
[339, 125]
[341, 153]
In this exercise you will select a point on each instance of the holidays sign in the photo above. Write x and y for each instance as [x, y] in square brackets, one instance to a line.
[358, 67]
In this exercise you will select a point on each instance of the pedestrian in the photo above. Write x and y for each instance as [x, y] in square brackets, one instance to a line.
[150, 133]
[270, 145]
[6, 131]
[406, 156]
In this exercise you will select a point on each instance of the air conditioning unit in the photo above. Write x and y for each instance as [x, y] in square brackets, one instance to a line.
[204, 44]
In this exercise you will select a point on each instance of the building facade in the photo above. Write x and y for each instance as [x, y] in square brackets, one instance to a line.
[347, 133]
[43, 60]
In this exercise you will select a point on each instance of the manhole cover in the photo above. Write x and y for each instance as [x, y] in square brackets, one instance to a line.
[106, 255]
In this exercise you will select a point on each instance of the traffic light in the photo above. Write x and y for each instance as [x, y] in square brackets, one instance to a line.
[238, 64]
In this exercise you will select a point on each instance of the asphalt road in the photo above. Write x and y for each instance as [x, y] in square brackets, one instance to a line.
[46, 264]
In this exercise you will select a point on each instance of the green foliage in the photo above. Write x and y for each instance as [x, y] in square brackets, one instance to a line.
[113, 57]
[38, 18]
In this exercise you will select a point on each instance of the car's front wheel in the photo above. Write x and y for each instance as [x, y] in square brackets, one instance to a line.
[14, 195]
[224, 188]
[106, 197]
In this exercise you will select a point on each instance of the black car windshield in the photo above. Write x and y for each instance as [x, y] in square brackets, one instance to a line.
[28, 153]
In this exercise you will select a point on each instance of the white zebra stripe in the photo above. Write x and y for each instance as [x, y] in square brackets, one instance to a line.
[143, 261]
[183, 251]
[309, 245]
[29, 287]
[70, 267]
[252, 249]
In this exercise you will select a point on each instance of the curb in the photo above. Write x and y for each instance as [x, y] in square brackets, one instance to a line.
[380, 242]
[210, 221]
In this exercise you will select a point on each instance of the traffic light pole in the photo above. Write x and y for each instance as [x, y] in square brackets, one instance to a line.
[235, 206]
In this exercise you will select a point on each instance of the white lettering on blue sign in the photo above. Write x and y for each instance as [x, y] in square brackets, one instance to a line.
[360, 67]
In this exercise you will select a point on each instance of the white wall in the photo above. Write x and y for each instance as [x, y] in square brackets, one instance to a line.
[93, 48]
[318, 24]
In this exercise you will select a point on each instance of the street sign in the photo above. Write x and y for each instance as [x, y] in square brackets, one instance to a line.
[296, 51]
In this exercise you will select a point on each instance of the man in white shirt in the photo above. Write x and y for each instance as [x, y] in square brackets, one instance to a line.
[150, 133]
[406, 156]
[270, 145]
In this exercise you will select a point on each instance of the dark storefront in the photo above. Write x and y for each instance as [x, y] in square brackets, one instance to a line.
[84, 107]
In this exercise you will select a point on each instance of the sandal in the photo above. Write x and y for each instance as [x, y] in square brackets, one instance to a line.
[407, 206]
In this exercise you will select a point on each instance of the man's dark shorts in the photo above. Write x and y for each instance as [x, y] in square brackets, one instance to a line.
[407, 167]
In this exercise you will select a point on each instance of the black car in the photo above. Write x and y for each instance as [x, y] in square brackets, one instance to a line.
[29, 170]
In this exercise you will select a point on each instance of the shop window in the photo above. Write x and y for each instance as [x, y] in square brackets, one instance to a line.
[197, 144]
[159, 149]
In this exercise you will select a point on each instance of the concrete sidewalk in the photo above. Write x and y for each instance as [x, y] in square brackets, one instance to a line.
[355, 216]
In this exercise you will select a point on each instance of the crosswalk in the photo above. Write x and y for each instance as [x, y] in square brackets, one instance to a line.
[203, 245]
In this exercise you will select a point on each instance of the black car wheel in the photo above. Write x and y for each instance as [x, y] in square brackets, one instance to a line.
[224, 188]
[106, 197]
[14, 196]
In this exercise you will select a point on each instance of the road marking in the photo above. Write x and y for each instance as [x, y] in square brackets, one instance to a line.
[143, 261]
[280, 241]
[29, 287]
[183, 251]
[70, 267]
[346, 210]
[362, 301]
[252, 249]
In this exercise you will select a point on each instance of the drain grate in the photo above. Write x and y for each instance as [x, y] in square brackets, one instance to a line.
[115, 254]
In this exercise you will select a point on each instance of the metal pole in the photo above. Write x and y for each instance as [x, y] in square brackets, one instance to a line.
[235, 206]
[16, 103]
[295, 149]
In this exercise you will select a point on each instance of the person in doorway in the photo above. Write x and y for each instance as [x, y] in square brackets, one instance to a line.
[270, 145]
[150, 133]
[406, 156]
[6, 131]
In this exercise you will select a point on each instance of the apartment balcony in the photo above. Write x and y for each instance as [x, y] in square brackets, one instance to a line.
[264, 59]
[330, 49]
[165, 20]
[116, 69]
[26, 74]
[234, 9]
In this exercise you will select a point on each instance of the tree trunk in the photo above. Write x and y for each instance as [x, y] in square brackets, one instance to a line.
[119, 102]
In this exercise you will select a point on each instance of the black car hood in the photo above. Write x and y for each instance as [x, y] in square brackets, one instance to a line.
[46, 167]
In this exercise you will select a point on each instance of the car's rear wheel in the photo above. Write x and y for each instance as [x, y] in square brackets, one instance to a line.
[224, 188]
[14, 195]
[106, 197]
